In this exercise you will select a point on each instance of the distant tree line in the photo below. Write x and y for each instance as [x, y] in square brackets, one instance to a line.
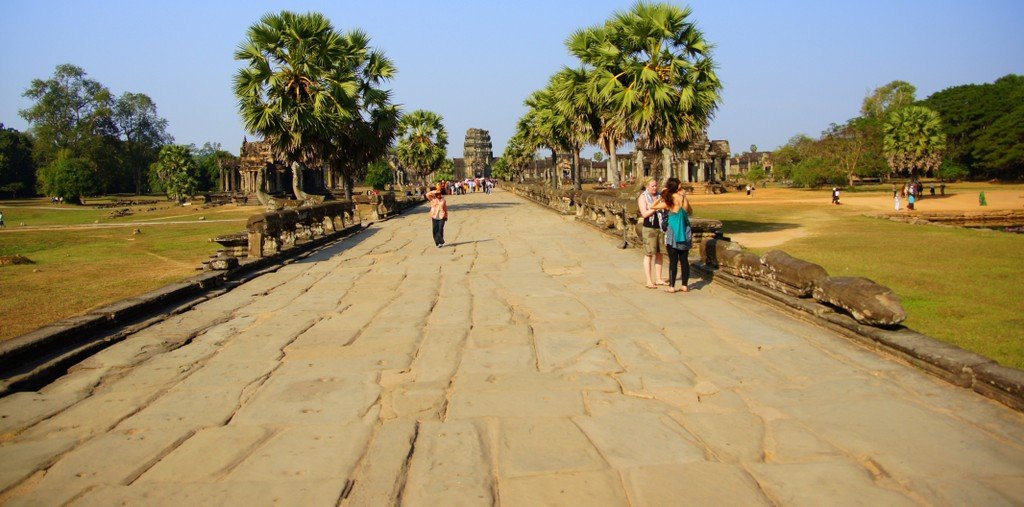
[82, 141]
[969, 131]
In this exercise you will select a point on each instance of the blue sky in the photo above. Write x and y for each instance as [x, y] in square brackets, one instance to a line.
[788, 67]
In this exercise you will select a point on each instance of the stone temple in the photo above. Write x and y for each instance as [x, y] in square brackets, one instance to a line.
[477, 155]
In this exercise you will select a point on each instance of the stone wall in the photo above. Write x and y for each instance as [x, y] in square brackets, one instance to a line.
[275, 231]
[994, 218]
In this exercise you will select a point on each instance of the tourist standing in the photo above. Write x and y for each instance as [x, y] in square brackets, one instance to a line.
[835, 195]
[896, 197]
[2, 220]
[438, 214]
[748, 190]
[652, 235]
[911, 199]
[679, 235]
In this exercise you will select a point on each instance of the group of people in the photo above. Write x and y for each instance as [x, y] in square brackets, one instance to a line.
[665, 220]
[911, 192]
[467, 186]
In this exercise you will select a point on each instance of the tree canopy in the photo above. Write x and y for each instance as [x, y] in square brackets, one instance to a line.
[422, 142]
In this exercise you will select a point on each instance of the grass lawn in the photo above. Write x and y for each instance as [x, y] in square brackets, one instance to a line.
[962, 286]
[83, 259]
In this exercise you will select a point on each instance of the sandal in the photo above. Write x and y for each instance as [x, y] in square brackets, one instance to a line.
[649, 286]
[671, 290]
[662, 282]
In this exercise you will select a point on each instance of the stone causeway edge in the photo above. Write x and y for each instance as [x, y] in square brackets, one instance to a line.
[953, 364]
[35, 358]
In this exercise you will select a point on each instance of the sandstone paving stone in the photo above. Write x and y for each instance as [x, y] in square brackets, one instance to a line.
[541, 382]
[789, 441]
[500, 335]
[886, 429]
[186, 408]
[23, 458]
[731, 437]
[640, 439]
[22, 410]
[92, 416]
[383, 470]
[591, 488]
[306, 453]
[498, 359]
[544, 445]
[89, 465]
[310, 394]
[208, 455]
[451, 465]
[297, 492]
[834, 482]
[515, 402]
[694, 483]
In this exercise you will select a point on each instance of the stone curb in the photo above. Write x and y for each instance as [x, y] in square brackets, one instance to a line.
[35, 358]
[946, 361]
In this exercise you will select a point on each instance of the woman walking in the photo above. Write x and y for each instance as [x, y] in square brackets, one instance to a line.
[679, 236]
[438, 214]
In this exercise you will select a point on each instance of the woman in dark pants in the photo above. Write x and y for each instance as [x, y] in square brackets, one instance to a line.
[678, 237]
[438, 214]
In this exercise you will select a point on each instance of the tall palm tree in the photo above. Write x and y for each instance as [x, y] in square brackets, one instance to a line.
[571, 88]
[544, 126]
[654, 69]
[914, 140]
[367, 135]
[297, 87]
[602, 59]
[422, 142]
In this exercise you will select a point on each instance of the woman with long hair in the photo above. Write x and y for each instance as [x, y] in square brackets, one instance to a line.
[679, 236]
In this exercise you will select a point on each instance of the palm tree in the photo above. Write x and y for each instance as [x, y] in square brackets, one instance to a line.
[914, 140]
[367, 136]
[422, 142]
[544, 126]
[571, 88]
[298, 86]
[597, 52]
[655, 72]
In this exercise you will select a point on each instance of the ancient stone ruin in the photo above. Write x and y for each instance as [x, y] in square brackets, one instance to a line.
[477, 155]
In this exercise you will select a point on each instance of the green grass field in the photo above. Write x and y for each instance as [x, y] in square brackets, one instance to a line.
[84, 259]
[959, 285]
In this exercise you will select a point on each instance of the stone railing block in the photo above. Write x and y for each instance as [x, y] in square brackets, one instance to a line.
[868, 302]
[790, 275]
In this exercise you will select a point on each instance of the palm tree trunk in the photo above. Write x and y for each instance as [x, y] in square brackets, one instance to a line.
[613, 166]
[297, 182]
[555, 177]
[349, 186]
[666, 164]
[576, 183]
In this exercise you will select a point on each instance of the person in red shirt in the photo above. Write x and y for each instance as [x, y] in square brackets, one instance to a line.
[438, 214]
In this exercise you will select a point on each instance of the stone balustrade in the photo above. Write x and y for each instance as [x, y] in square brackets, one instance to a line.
[385, 204]
[275, 231]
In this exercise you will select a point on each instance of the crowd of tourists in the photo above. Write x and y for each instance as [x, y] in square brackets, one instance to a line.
[665, 220]
[911, 192]
[467, 186]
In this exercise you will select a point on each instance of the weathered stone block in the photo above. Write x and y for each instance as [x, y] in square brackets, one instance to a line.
[713, 249]
[868, 302]
[790, 275]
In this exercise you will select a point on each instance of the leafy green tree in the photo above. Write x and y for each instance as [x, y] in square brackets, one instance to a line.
[209, 157]
[422, 142]
[379, 175]
[887, 99]
[544, 126]
[914, 140]
[71, 112]
[17, 169]
[143, 132]
[298, 86]
[951, 171]
[756, 174]
[177, 171]
[598, 156]
[513, 160]
[982, 125]
[446, 172]
[799, 148]
[70, 177]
